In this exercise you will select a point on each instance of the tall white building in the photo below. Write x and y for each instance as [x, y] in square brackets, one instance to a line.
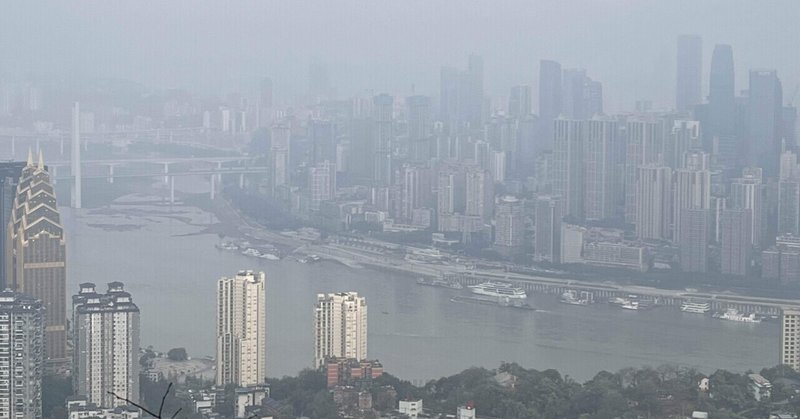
[692, 190]
[105, 331]
[568, 171]
[790, 338]
[340, 327]
[653, 202]
[321, 183]
[601, 187]
[241, 329]
[509, 223]
[547, 243]
[747, 192]
[279, 156]
[21, 356]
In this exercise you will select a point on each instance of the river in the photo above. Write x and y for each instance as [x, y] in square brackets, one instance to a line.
[170, 267]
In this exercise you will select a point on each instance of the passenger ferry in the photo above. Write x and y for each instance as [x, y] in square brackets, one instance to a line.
[734, 315]
[498, 289]
[695, 307]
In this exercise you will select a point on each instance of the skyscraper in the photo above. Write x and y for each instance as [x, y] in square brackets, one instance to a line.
[105, 335]
[420, 126]
[693, 243]
[9, 178]
[722, 107]
[509, 223]
[764, 120]
[279, 157]
[321, 183]
[654, 202]
[747, 192]
[789, 207]
[644, 145]
[736, 241]
[549, 99]
[601, 188]
[479, 194]
[340, 327]
[519, 102]
[383, 116]
[568, 170]
[35, 253]
[241, 329]
[790, 338]
[688, 88]
[21, 355]
[416, 190]
[692, 189]
[549, 213]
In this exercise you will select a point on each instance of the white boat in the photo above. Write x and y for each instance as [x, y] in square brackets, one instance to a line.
[572, 297]
[251, 252]
[498, 289]
[630, 305]
[733, 315]
[269, 256]
[227, 246]
[695, 307]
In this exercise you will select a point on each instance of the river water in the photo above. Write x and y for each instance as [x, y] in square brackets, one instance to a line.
[170, 266]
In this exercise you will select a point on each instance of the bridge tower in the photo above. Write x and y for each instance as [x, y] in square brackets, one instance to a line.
[76, 155]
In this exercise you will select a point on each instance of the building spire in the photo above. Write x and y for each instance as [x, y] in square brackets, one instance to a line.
[30, 157]
[41, 160]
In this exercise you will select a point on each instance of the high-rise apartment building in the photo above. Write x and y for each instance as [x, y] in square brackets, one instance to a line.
[241, 329]
[340, 327]
[736, 241]
[35, 253]
[105, 335]
[549, 99]
[420, 128]
[789, 206]
[384, 137]
[747, 192]
[279, 156]
[644, 145]
[568, 170]
[479, 193]
[321, 183]
[547, 243]
[509, 223]
[654, 202]
[693, 243]
[692, 189]
[601, 186]
[688, 88]
[519, 102]
[790, 338]
[22, 321]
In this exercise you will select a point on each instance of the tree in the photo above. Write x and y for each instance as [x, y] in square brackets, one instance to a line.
[55, 390]
[177, 354]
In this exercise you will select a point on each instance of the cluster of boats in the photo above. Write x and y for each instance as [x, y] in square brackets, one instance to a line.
[247, 250]
[730, 314]
[631, 302]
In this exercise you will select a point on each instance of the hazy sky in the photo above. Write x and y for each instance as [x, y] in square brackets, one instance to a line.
[215, 46]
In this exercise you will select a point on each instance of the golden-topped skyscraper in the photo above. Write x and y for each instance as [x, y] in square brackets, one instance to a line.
[35, 252]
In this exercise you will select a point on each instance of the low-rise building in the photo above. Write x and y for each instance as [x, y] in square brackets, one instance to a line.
[760, 386]
[410, 408]
[351, 372]
[78, 407]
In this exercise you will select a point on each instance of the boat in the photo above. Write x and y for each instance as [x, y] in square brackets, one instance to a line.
[733, 315]
[269, 256]
[695, 307]
[438, 282]
[226, 246]
[251, 252]
[498, 289]
[574, 298]
[630, 305]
